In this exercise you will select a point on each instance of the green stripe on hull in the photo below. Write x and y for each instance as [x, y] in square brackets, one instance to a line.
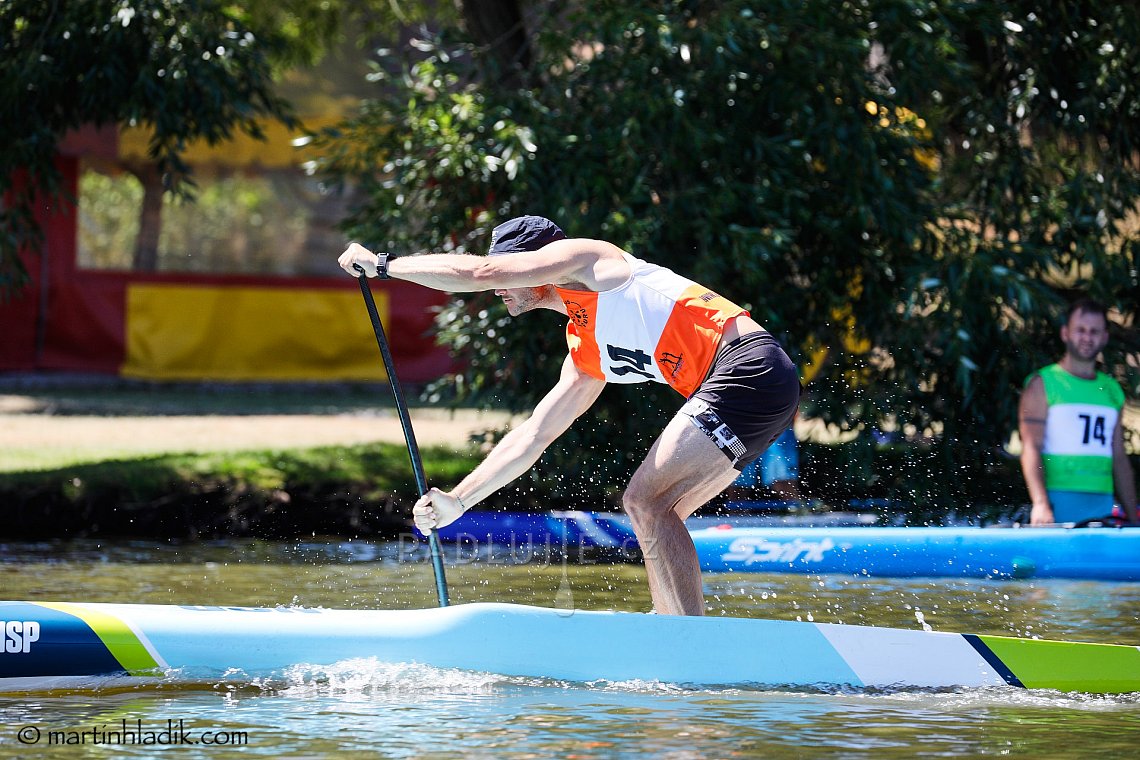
[1068, 666]
[123, 644]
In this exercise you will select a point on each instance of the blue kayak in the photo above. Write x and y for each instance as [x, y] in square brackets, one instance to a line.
[557, 528]
[607, 529]
[1082, 553]
[743, 543]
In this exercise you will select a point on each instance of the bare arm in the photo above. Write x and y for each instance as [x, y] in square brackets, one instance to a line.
[594, 263]
[517, 452]
[1031, 415]
[1122, 475]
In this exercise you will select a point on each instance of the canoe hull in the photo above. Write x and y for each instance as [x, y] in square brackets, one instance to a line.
[63, 644]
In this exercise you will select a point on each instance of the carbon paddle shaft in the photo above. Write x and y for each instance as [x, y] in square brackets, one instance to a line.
[409, 434]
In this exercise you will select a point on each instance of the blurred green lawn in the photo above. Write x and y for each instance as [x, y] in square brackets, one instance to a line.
[48, 426]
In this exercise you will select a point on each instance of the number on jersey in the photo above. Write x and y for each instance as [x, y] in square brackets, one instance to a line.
[1094, 429]
[629, 360]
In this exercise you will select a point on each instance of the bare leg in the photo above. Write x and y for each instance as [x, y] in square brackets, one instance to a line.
[694, 501]
[682, 471]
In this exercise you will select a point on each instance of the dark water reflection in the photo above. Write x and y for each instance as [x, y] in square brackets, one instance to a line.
[414, 711]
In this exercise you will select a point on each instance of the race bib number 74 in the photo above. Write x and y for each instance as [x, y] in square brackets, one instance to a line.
[1082, 429]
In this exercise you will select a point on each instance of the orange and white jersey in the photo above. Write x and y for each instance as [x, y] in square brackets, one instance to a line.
[657, 325]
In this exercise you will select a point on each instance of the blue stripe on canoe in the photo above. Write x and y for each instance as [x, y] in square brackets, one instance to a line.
[994, 661]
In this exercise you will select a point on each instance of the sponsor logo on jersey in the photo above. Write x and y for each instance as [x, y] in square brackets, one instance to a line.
[577, 313]
[673, 361]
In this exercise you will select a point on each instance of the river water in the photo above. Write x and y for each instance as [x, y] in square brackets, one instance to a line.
[417, 711]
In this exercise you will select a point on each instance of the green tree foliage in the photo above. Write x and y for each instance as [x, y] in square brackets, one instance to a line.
[904, 191]
[1036, 203]
[189, 69]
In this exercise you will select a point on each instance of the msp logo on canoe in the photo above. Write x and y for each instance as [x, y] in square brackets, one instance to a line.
[61, 639]
[17, 636]
[755, 550]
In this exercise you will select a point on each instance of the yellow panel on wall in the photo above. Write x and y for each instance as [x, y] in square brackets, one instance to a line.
[183, 332]
[274, 152]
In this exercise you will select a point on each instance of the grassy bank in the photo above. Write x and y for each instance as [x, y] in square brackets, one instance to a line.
[111, 457]
[368, 490]
[362, 490]
[47, 427]
[164, 477]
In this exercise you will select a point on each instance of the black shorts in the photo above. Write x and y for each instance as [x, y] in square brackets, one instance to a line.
[749, 397]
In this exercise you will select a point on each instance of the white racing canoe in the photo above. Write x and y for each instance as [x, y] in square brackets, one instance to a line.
[70, 645]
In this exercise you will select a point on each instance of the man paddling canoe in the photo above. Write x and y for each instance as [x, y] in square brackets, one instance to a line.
[629, 321]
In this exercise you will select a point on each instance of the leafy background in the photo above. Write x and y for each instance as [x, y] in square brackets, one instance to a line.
[906, 193]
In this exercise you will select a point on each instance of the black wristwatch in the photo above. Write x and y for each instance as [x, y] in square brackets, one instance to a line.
[382, 265]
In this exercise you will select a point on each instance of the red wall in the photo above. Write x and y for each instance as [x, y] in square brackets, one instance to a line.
[84, 311]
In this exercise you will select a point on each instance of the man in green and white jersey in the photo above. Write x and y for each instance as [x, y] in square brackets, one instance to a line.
[1072, 441]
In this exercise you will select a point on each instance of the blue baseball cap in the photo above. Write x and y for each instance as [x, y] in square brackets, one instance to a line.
[524, 233]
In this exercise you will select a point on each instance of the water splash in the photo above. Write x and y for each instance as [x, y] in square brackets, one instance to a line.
[564, 596]
[369, 676]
